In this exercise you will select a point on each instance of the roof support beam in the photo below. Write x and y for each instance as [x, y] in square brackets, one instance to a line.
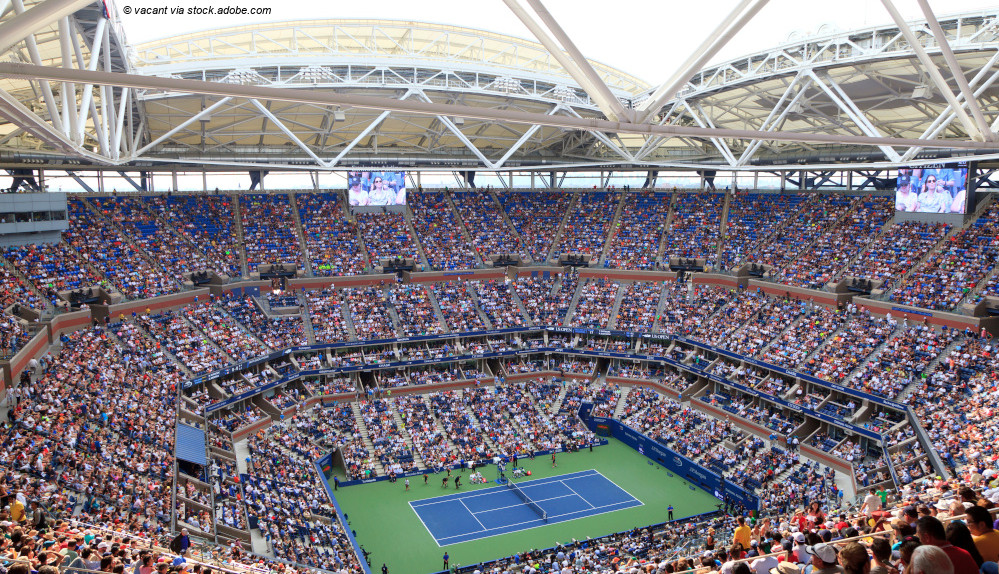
[360, 137]
[931, 69]
[839, 97]
[956, 71]
[183, 125]
[39, 16]
[433, 109]
[587, 70]
[801, 80]
[291, 135]
[592, 84]
[714, 42]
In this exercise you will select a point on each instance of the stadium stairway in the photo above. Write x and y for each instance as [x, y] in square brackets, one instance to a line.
[437, 310]
[393, 313]
[612, 233]
[306, 315]
[573, 205]
[407, 214]
[872, 356]
[473, 294]
[461, 224]
[616, 307]
[575, 301]
[557, 403]
[666, 227]
[511, 228]
[237, 216]
[345, 314]
[300, 232]
[362, 429]
[723, 225]
[206, 339]
[438, 424]
[903, 396]
[406, 437]
[520, 305]
[622, 402]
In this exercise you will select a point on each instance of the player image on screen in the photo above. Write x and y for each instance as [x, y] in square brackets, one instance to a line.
[932, 189]
[376, 188]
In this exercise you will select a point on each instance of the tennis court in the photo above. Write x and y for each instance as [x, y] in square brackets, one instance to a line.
[477, 514]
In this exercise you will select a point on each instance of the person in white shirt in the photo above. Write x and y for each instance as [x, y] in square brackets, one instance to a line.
[872, 503]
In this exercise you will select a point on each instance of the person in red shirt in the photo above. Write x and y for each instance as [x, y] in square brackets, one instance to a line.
[931, 531]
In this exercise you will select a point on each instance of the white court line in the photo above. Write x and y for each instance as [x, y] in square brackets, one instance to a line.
[488, 491]
[469, 510]
[640, 503]
[522, 504]
[588, 503]
[420, 518]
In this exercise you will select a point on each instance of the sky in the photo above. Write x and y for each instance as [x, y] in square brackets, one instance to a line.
[647, 38]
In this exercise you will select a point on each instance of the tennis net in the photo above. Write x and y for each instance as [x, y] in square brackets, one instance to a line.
[527, 500]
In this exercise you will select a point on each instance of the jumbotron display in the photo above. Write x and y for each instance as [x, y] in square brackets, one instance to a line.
[376, 188]
[941, 188]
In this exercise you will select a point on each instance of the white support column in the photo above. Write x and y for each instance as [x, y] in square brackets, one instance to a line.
[584, 65]
[116, 145]
[719, 144]
[956, 71]
[607, 107]
[933, 72]
[71, 119]
[714, 42]
[88, 89]
[39, 16]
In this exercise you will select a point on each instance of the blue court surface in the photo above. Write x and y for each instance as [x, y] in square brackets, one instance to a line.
[483, 513]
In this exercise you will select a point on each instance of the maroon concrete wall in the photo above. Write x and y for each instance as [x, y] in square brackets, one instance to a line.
[69, 322]
[35, 347]
[625, 275]
[153, 305]
[340, 282]
[662, 389]
[438, 276]
[819, 297]
[252, 428]
[718, 280]
[219, 290]
[527, 271]
[917, 315]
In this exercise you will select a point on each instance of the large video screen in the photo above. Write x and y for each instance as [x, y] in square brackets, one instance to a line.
[376, 188]
[939, 188]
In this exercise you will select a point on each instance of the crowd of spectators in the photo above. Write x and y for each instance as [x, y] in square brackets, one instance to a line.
[634, 242]
[100, 244]
[440, 233]
[330, 235]
[206, 221]
[586, 230]
[694, 229]
[544, 303]
[537, 216]
[326, 314]
[806, 225]
[50, 268]
[833, 249]
[595, 303]
[369, 312]
[416, 312]
[387, 235]
[942, 281]
[276, 333]
[496, 299]
[461, 314]
[485, 223]
[898, 249]
[752, 217]
[269, 230]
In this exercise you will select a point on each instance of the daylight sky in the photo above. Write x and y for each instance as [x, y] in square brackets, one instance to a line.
[647, 38]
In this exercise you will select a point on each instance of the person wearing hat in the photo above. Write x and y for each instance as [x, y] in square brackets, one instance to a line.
[823, 559]
[786, 568]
